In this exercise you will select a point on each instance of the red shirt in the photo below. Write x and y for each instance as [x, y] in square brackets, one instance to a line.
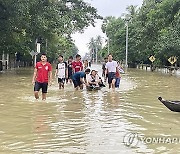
[43, 71]
[77, 65]
[118, 75]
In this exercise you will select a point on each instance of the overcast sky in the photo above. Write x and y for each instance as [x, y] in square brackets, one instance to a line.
[105, 8]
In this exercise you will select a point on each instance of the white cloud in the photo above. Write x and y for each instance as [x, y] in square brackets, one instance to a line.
[82, 40]
[105, 8]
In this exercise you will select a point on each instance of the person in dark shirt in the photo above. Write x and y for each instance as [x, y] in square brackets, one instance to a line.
[79, 78]
[70, 70]
[104, 67]
[89, 64]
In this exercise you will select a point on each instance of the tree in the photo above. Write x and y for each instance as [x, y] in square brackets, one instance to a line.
[92, 48]
[22, 22]
[98, 42]
[153, 30]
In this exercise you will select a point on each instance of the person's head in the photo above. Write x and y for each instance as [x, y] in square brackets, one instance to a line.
[93, 72]
[110, 57]
[60, 58]
[106, 59]
[87, 71]
[70, 59]
[78, 57]
[86, 62]
[43, 57]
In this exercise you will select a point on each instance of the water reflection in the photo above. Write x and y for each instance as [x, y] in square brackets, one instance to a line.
[72, 121]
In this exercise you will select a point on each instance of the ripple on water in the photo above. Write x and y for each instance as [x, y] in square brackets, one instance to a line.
[54, 99]
[72, 121]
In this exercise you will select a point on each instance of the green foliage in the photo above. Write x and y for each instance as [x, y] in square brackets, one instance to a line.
[153, 30]
[23, 21]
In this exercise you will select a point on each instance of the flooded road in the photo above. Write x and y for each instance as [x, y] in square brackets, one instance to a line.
[102, 122]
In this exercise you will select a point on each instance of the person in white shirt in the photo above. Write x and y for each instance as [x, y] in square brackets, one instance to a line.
[111, 69]
[61, 71]
[92, 79]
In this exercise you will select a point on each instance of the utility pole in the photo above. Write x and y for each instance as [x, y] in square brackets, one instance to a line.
[96, 55]
[3, 61]
[46, 45]
[108, 45]
[35, 55]
[126, 63]
[38, 46]
[93, 55]
[7, 57]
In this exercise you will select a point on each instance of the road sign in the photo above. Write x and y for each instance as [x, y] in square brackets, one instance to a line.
[38, 47]
[172, 60]
[152, 59]
[32, 53]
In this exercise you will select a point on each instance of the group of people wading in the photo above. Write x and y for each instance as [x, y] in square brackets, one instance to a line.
[76, 72]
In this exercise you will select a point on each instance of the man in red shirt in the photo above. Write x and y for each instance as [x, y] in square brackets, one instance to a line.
[42, 74]
[77, 64]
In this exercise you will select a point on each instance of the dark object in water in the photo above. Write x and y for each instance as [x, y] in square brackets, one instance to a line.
[171, 105]
[90, 88]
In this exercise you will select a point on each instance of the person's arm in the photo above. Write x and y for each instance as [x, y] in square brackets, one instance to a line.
[83, 81]
[56, 72]
[34, 76]
[121, 69]
[66, 71]
[89, 82]
[106, 72]
[50, 78]
[103, 66]
[117, 70]
[50, 74]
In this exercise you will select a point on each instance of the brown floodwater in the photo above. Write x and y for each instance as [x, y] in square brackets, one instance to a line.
[128, 120]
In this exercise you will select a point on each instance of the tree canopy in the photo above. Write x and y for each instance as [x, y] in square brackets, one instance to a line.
[23, 22]
[154, 29]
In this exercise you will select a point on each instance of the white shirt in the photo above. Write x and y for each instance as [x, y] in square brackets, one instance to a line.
[61, 67]
[111, 66]
[89, 78]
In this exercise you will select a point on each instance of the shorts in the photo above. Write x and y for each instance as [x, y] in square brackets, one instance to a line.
[111, 76]
[77, 83]
[39, 85]
[61, 80]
